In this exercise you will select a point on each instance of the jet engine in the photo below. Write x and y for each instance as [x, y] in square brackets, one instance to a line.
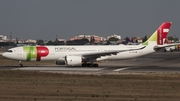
[73, 60]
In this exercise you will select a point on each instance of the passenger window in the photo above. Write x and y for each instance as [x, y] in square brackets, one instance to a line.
[9, 51]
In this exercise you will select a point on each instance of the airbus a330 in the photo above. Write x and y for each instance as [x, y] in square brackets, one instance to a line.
[89, 55]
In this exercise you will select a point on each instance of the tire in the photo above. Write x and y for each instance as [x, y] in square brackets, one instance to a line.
[96, 65]
[84, 65]
[20, 65]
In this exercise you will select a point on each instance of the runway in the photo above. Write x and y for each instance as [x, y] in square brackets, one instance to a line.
[159, 62]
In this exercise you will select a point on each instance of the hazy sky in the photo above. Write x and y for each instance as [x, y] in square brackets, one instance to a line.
[44, 19]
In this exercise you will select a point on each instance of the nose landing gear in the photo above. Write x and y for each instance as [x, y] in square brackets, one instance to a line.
[20, 64]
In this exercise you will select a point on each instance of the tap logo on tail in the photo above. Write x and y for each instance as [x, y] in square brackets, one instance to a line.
[160, 34]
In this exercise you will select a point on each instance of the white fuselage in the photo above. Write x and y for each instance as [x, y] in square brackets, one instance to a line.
[59, 52]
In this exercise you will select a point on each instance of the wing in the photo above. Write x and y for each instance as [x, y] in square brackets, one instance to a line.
[106, 53]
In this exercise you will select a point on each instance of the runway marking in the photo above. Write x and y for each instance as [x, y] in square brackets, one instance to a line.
[116, 70]
[58, 69]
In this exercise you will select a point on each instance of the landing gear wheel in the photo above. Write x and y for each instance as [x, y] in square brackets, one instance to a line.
[84, 65]
[95, 65]
[89, 65]
[20, 64]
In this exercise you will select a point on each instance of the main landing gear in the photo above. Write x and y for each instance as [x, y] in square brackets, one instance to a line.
[90, 65]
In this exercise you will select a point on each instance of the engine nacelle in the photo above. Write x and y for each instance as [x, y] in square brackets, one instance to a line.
[73, 60]
[60, 62]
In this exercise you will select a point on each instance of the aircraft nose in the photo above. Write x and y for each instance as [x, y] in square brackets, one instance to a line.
[4, 54]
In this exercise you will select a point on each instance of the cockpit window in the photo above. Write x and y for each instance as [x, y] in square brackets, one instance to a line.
[9, 51]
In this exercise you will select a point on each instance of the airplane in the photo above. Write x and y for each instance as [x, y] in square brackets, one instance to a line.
[89, 55]
[171, 48]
